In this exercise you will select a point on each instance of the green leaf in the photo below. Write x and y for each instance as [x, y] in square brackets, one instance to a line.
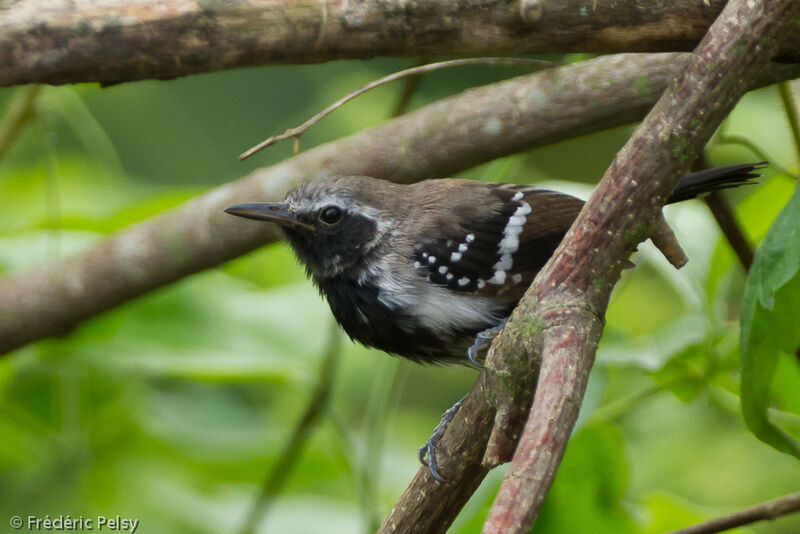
[770, 322]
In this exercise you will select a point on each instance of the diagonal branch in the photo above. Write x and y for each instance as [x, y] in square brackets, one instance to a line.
[564, 307]
[116, 41]
[505, 389]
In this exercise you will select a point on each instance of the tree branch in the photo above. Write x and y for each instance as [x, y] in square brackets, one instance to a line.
[506, 386]
[116, 41]
[445, 137]
[563, 309]
[775, 508]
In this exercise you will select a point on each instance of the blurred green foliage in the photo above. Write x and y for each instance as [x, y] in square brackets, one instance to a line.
[173, 408]
[770, 309]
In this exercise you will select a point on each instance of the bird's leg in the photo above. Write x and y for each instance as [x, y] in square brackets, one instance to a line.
[427, 453]
[483, 340]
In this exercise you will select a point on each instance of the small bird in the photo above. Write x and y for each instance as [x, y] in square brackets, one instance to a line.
[432, 270]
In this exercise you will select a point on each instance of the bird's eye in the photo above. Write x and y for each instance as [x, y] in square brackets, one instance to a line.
[330, 214]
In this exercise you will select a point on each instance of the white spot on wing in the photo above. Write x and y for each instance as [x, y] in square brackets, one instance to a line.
[516, 220]
[443, 269]
[462, 247]
[470, 238]
[463, 281]
[517, 196]
[510, 242]
[455, 256]
[498, 279]
[431, 260]
[508, 245]
[504, 264]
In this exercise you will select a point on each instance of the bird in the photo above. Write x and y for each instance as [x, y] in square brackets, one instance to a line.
[431, 271]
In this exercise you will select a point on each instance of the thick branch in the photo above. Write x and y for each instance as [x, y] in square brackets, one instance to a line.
[507, 385]
[116, 41]
[620, 213]
[445, 137]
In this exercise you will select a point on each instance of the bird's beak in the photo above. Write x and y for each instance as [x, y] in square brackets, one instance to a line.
[264, 211]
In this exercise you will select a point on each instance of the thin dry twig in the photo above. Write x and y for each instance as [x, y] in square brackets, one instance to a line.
[19, 113]
[276, 479]
[297, 131]
[775, 508]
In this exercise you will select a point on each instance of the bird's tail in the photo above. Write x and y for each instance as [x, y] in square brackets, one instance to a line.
[698, 183]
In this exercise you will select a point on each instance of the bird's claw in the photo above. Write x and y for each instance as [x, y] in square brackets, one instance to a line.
[482, 341]
[427, 453]
[427, 457]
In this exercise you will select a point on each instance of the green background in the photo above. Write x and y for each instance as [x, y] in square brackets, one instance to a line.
[173, 408]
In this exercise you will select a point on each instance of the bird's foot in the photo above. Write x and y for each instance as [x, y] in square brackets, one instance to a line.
[427, 453]
[483, 340]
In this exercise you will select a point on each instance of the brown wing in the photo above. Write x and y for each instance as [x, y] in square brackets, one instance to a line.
[500, 253]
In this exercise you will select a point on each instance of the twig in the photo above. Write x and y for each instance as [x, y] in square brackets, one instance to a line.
[726, 219]
[18, 114]
[297, 131]
[561, 313]
[790, 107]
[275, 480]
[766, 510]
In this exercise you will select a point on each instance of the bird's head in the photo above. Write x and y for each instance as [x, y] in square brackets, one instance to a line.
[332, 223]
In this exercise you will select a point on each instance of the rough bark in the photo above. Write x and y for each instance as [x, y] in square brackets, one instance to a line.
[578, 280]
[114, 41]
